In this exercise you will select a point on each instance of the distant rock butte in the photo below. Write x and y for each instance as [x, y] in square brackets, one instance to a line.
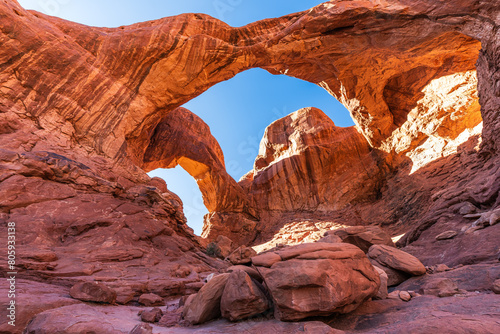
[85, 112]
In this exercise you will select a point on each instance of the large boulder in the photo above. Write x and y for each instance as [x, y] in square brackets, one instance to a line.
[153, 315]
[151, 299]
[93, 292]
[252, 272]
[363, 236]
[242, 298]
[205, 305]
[242, 255]
[266, 259]
[319, 279]
[397, 264]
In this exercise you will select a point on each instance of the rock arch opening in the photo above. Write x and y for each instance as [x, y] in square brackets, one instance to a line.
[392, 86]
[236, 113]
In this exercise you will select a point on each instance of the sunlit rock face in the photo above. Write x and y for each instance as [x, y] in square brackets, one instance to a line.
[182, 138]
[86, 111]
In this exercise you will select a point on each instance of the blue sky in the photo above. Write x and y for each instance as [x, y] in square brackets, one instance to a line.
[237, 110]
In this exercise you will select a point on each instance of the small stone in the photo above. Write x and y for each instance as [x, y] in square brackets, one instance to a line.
[413, 294]
[405, 296]
[495, 217]
[496, 286]
[394, 295]
[441, 287]
[467, 208]
[182, 272]
[441, 268]
[170, 319]
[150, 299]
[446, 235]
[153, 315]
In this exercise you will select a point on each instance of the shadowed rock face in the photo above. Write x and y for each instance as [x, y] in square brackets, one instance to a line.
[85, 111]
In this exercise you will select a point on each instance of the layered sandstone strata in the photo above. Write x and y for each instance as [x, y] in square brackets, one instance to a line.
[85, 113]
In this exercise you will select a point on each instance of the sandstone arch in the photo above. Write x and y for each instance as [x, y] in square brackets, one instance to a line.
[107, 90]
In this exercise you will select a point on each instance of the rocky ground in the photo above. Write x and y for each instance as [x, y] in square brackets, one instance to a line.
[389, 226]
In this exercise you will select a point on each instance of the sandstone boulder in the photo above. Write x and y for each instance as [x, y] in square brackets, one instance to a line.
[331, 238]
[440, 287]
[150, 299]
[394, 277]
[252, 272]
[364, 236]
[205, 305]
[404, 296]
[170, 319]
[93, 292]
[266, 259]
[446, 235]
[319, 279]
[242, 255]
[242, 298]
[398, 264]
[382, 291]
[496, 286]
[153, 315]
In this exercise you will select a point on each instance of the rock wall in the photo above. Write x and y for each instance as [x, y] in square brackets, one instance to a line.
[86, 111]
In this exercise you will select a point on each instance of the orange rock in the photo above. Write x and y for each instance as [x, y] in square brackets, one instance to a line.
[85, 112]
[242, 298]
[337, 281]
[382, 291]
[242, 255]
[364, 236]
[252, 272]
[266, 259]
[150, 299]
[396, 259]
[205, 305]
[93, 292]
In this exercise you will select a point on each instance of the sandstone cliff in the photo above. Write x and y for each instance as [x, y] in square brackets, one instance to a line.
[85, 112]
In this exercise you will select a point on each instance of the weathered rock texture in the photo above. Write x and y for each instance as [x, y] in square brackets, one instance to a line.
[242, 298]
[319, 279]
[85, 112]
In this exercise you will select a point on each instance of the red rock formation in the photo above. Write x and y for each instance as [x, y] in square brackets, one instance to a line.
[85, 111]
[182, 138]
[319, 279]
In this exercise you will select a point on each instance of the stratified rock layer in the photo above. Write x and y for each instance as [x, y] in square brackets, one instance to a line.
[85, 112]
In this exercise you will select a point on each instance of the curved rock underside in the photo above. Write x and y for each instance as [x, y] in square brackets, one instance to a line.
[85, 112]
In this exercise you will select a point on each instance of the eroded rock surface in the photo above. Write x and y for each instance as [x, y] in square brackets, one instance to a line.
[85, 111]
[319, 279]
[242, 298]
